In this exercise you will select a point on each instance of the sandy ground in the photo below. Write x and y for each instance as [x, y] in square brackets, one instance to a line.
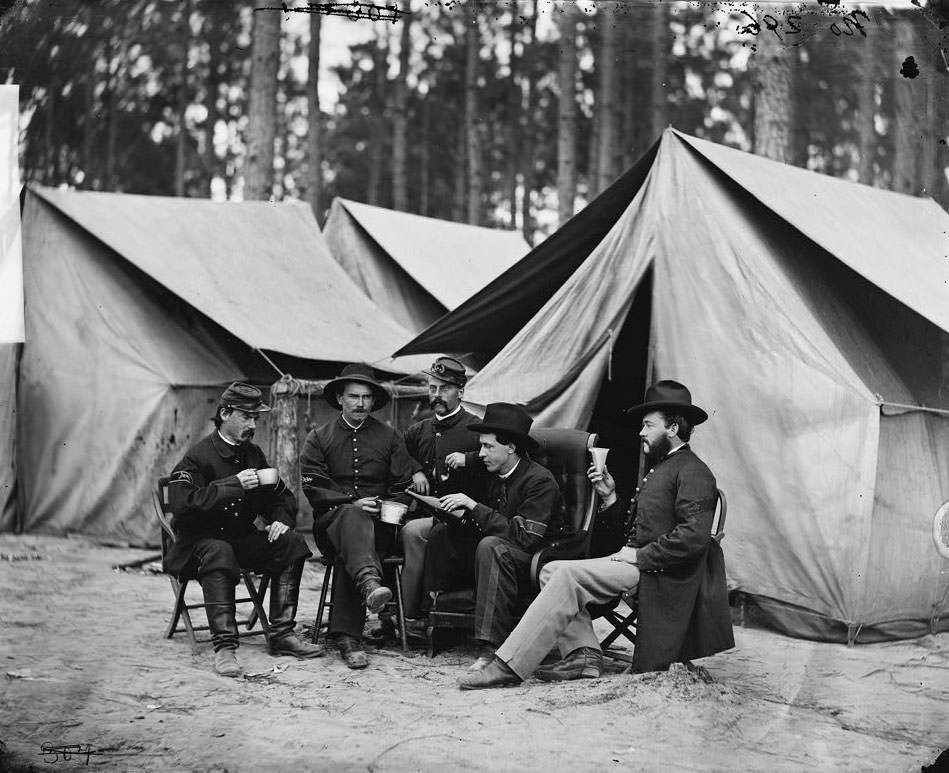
[84, 661]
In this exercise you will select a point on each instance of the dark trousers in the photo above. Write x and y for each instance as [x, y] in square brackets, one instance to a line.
[501, 571]
[348, 534]
[248, 551]
[456, 559]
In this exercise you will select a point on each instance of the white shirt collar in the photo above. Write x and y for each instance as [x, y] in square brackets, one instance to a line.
[508, 474]
[677, 448]
[229, 442]
[447, 415]
[353, 426]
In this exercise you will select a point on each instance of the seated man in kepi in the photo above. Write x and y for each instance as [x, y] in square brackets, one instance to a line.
[670, 557]
[216, 496]
[348, 465]
[435, 445]
[521, 511]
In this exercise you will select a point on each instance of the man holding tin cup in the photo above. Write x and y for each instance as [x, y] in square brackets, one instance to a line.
[216, 492]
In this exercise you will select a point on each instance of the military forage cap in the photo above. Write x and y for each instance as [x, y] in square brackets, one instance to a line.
[244, 397]
[450, 370]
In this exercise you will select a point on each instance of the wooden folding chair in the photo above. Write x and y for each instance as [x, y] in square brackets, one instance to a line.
[179, 585]
[625, 625]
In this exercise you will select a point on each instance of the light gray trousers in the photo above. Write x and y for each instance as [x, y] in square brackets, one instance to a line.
[559, 616]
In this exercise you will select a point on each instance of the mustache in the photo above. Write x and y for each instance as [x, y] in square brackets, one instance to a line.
[437, 401]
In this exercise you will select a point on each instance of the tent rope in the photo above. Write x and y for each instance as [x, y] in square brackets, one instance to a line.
[272, 365]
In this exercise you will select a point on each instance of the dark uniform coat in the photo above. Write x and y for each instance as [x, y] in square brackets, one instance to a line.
[683, 598]
[429, 441]
[526, 508]
[340, 464]
[209, 501]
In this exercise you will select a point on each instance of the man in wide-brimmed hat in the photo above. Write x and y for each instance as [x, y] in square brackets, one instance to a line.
[671, 560]
[440, 447]
[521, 510]
[348, 465]
[216, 496]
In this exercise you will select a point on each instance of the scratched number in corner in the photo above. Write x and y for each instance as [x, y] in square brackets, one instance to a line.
[786, 30]
[65, 752]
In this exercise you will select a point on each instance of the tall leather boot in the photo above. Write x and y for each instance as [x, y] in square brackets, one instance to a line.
[218, 591]
[284, 593]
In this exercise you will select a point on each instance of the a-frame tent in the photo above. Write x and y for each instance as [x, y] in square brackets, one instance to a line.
[139, 310]
[808, 315]
[417, 268]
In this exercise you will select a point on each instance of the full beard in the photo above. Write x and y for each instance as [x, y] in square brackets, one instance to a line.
[657, 450]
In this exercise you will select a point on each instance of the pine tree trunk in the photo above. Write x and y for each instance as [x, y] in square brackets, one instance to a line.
[774, 106]
[424, 160]
[262, 107]
[210, 97]
[661, 45]
[567, 115]
[866, 111]
[513, 123]
[458, 195]
[378, 117]
[89, 123]
[907, 93]
[606, 106]
[527, 157]
[314, 188]
[472, 130]
[400, 120]
[50, 167]
[182, 136]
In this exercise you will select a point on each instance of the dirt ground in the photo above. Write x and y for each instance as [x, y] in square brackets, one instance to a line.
[84, 662]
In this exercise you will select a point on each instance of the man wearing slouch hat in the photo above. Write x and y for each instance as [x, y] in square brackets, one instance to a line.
[216, 496]
[671, 561]
[520, 510]
[444, 453]
[347, 466]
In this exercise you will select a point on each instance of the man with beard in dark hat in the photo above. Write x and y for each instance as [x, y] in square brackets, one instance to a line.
[348, 465]
[671, 560]
[521, 511]
[445, 455]
[216, 496]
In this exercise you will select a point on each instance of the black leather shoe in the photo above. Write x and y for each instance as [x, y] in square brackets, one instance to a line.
[582, 663]
[351, 651]
[495, 674]
[291, 644]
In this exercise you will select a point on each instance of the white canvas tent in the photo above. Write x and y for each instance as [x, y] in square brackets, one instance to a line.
[139, 310]
[417, 268]
[808, 315]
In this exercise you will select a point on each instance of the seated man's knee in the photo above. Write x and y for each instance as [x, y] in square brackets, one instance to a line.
[416, 531]
[491, 546]
[217, 555]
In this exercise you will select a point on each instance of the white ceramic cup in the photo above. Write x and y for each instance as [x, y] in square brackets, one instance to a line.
[393, 512]
[267, 476]
[599, 457]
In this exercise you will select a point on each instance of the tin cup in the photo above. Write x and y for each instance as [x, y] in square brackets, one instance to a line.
[599, 457]
[267, 476]
[392, 512]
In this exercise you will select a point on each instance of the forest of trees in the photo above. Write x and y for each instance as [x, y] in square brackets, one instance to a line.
[511, 113]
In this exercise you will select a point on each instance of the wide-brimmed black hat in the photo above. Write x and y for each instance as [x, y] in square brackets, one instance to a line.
[244, 397]
[448, 369]
[668, 396]
[361, 374]
[510, 420]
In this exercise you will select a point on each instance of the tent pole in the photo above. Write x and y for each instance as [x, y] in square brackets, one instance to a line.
[650, 368]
